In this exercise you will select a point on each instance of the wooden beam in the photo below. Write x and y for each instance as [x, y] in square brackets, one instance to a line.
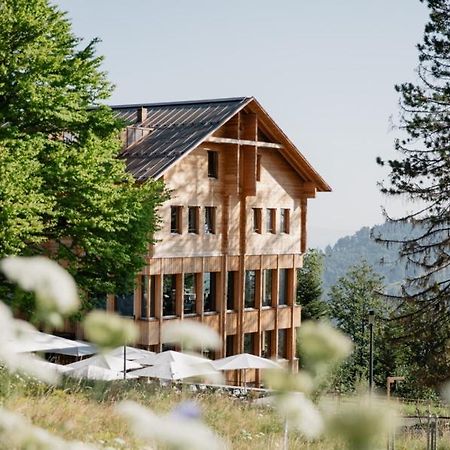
[219, 140]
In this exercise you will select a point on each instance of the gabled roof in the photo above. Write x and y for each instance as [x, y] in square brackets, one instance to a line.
[176, 128]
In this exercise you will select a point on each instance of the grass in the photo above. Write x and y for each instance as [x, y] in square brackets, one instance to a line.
[86, 412]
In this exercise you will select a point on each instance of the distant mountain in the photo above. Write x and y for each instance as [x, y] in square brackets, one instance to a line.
[361, 246]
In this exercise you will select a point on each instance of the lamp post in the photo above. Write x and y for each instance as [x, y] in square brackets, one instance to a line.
[371, 321]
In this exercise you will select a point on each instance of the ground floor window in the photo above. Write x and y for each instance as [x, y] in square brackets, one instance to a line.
[144, 296]
[189, 293]
[249, 343]
[282, 344]
[169, 295]
[124, 304]
[231, 345]
[209, 291]
[266, 344]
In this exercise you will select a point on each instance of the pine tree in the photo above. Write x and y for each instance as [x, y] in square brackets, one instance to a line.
[63, 191]
[309, 287]
[422, 175]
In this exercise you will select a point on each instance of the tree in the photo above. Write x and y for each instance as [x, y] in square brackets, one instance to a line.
[351, 299]
[309, 286]
[63, 190]
[422, 175]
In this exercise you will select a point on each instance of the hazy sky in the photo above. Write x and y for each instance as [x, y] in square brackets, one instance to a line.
[325, 70]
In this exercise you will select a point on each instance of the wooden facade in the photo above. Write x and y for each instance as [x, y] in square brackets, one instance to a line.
[232, 237]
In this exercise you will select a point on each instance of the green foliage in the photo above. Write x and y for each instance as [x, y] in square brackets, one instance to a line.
[350, 301]
[309, 287]
[63, 190]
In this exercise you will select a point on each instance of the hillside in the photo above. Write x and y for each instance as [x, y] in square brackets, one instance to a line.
[361, 246]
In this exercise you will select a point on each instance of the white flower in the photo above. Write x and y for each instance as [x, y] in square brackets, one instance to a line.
[191, 335]
[300, 413]
[176, 431]
[18, 432]
[322, 346]
[363, 424]
[109, 330]
[55, 289]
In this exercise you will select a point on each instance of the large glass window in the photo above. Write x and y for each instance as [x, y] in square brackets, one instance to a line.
[250, 288]
[124, 304]
[249, 343]
[209, 291]
[213, 164]
[175, 219]
[283, 287]
[193, 219]
[282, 344]
[267, 296]
[144, 296]
[210, 219]
[189, 293]
[231, 340]
[231, 280]
[169, 294]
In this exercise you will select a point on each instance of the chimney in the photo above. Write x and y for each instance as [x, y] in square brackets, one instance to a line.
[141, 114]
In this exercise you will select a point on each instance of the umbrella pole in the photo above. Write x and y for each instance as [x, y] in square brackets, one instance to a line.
[124, 362]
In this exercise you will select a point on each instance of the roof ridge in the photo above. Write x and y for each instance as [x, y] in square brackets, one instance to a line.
[182, 102]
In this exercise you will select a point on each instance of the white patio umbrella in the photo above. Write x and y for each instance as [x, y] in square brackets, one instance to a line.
[177, 370]
[106, 362]
[172, 356]
[48, 366]
[36, 341]
[131, 353]
[96, 373]
[83, 349]
[244, 361]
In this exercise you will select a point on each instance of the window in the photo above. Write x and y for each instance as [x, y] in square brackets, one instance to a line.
[152, 296]
[213, 160]
[250, 285]
[231, 280]
[285, 221]
[270, 220]
[257, 220]
[230, 343]
[124, 304]
[267, 297]
[283, 287]
[99, 301]
[266, 345]
[193, 219]
[189, 293]
[169, 294]
[144, 296]
[249, 343]
[258, 167]
[175, 219]
[282, 344]
[210, 219]
[209, 291]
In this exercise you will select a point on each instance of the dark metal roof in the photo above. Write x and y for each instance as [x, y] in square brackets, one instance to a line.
[175, 129]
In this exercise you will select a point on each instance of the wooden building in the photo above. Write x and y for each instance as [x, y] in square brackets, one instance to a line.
[232, 234]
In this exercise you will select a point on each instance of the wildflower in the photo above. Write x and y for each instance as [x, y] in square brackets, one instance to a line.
[54, 288]
[286, 381]
[322, 346]
[109, 330]
[177, 431]
[364, 424]
[191, 335]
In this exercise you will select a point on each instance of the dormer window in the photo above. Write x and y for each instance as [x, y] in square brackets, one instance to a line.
[213, 164]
